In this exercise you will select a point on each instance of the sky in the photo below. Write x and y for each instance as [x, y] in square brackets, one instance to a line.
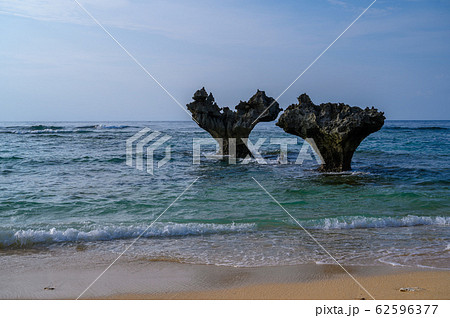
[57, 64]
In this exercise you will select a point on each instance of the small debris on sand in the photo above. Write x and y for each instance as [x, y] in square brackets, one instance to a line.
[81, 247]
[409, 289]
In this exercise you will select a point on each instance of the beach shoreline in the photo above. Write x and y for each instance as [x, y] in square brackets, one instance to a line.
[128, 278]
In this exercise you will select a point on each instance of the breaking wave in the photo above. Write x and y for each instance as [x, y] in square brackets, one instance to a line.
[361, 222]
[51, 129]
[28, 237]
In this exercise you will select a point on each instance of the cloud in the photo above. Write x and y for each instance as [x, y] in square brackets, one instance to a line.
[194, 21]
[45, 10]
[338, 2]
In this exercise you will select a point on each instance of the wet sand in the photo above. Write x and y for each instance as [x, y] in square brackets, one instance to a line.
[410, 285]
[66, 278]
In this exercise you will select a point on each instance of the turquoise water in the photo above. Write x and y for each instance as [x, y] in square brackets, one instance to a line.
[66, 183]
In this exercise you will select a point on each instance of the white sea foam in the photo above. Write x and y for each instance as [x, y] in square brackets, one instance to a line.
[347, 173]
[355, 222]
[103, 126]
[53, 129]
[39, 131]
[33, 236]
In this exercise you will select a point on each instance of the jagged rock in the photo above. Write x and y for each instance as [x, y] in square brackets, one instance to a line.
[337, 129]
[225, 124]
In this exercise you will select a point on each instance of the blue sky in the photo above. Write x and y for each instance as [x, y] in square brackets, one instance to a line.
[57, 64]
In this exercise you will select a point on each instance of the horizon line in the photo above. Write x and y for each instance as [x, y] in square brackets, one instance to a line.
[156, 121]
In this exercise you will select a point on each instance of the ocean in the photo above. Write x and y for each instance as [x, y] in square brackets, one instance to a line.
[65, 188]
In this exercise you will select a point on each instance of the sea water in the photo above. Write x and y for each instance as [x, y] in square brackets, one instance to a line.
[67, 184]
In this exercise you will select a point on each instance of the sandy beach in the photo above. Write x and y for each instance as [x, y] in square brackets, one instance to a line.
[433, 285]
[401, 285]
[38, 276]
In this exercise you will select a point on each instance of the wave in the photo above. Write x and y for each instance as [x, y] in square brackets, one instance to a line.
[103, 126]
[10, 158]
[43, 127]
[50, 129]
[361, 222]
[29, 237]
[87, 127]
[43, 131]
[416, 128]
[432, 128]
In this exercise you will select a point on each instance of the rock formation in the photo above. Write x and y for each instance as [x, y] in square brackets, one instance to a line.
[337, 129]
[231, 126]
